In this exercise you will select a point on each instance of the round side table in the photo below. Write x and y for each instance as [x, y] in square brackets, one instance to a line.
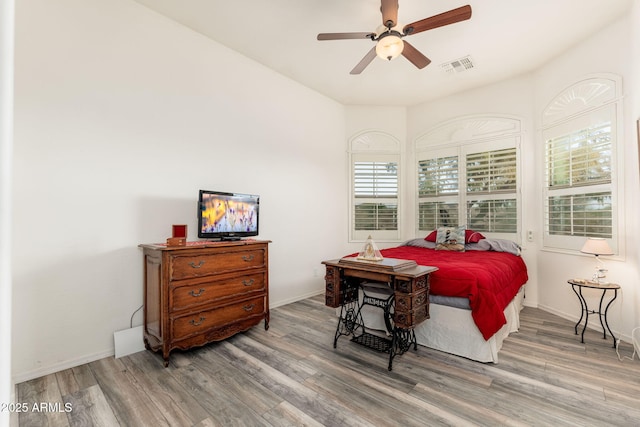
[577, 286]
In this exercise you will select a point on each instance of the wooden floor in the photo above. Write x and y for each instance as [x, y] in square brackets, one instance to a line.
[290, 375]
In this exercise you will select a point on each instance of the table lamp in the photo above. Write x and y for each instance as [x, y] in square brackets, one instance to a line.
[597, 246]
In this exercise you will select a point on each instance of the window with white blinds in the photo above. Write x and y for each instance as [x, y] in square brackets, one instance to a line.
[375, 196]
[489, 179]
[578, 179]
[582, 190]
[492, 172]
[438, 176]
[491, 191]
[438, 192]
[493, 215]
[434, 214]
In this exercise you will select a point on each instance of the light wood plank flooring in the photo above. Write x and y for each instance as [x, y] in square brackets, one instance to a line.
[290, 375]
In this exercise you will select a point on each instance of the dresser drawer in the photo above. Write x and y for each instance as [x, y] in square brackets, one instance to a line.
[410, 319]
[200, 323]
[414, 285]
[198, 265]
[182, 297]
[408, 302]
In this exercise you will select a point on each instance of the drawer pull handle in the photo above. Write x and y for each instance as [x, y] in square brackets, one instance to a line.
[196, 294]
[249, 282]
[248, 307]
[248, 258]
[198, 265]
[197, 323]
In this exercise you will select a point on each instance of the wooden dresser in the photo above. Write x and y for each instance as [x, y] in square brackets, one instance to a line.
[203, 292]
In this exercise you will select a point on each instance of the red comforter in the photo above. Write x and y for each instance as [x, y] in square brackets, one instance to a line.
[489, 279]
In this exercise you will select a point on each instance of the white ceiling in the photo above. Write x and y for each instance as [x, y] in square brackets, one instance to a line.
[503, 37]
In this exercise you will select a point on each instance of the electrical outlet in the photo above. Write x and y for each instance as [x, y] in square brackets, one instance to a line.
[530, 236]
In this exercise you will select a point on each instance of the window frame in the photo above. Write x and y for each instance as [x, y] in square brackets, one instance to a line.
[599, 97]
[378, 146]
[376, 234]
[452, 198]
[491, 133]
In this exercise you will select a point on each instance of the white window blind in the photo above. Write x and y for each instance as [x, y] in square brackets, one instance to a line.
[491, 191]
[432, 215]
[438, 179]
[493, 215]
[580, 158]
[438, 176]
[489, 202]
[582, 189]
[578, 178]
[375, 191]
[580, 215]
[492, 172]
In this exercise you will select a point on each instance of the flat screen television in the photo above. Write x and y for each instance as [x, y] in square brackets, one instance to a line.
[227, 216]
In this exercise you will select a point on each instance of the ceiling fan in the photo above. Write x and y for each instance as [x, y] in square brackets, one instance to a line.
[388, 38]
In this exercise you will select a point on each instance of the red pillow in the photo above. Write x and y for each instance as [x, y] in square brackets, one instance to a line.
[470, 236]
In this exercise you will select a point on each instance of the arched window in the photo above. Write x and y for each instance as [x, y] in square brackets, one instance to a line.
[580, 133]
[375, 196]
[468, 174]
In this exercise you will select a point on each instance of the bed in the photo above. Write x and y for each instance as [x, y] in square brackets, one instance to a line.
[475, 296]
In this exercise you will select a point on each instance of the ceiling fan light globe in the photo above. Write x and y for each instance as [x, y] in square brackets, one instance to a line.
[389, 47]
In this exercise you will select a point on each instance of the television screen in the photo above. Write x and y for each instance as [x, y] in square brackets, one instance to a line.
[227, 215]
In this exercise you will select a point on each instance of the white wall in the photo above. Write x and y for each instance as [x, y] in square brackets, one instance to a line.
[121, 116]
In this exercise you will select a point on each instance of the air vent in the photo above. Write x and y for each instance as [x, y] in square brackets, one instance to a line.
[458, 65]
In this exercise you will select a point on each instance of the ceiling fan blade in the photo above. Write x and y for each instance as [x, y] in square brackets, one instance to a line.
[389, 9]
[345, 36]
[364, 62]
[414, 56]
[451, 17]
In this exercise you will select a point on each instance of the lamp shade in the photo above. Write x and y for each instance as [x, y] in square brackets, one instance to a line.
[596, 246]
[389, 46]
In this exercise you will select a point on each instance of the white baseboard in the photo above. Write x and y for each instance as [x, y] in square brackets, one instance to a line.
[295, 299]
[594, 325]
[57, 367]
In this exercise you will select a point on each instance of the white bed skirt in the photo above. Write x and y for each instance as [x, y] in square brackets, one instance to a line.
[453, 330]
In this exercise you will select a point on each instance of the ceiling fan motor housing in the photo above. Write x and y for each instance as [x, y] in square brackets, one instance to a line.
[390, 44]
